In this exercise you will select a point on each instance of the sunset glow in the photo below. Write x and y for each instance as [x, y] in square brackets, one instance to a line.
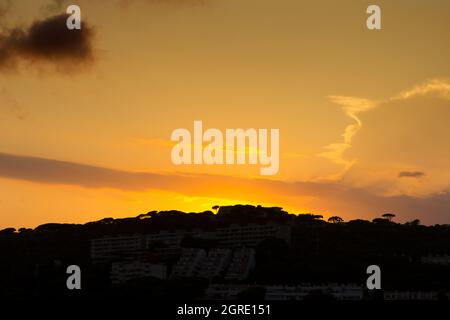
[363, 116]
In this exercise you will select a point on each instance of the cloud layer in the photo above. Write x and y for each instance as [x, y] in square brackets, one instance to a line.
[335, 198]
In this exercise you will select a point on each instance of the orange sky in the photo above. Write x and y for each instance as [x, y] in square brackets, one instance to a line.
[363, 115]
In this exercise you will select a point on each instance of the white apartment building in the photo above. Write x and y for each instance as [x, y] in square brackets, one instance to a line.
[232, 236]
[278, 292]
[170, 238]
[224, 291]
[124, 271]
[215, 263]
[250, 235]
[189, 263]
[107, 249]
[241, 264]
[197, 263]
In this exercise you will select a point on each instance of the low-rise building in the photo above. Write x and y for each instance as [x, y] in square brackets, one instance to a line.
[300, 292]
[224, 291]
[443, 259]
[123, 271]
[197, 263]
[250, 235]
[215, 263]
[230, 236]
[280, 292]
[189, 263]
[409, 295]
[169, 241]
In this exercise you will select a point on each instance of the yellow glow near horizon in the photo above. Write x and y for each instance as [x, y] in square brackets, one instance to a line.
[357, 110]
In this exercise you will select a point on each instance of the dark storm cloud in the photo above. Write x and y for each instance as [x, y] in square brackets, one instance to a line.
[48, 41]
[411, 174]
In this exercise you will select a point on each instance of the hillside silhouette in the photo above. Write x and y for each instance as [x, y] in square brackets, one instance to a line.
[33, 261]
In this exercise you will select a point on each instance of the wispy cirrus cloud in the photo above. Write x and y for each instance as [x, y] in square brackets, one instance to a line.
[406, 130]
[352, 107]
[355, 107]
[440, 86]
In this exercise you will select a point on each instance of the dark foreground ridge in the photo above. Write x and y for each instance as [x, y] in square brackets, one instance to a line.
[233, 252]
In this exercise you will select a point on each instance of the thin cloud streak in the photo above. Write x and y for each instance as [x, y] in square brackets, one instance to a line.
[411, 174]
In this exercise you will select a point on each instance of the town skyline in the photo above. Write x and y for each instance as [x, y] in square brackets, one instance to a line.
[233, 253]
